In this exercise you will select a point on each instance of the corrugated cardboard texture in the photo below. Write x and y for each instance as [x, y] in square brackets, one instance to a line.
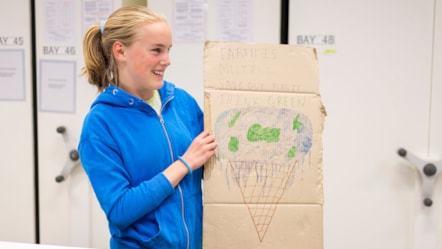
[263, 188]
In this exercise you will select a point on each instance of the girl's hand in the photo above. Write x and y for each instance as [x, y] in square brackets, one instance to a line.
[200, 150]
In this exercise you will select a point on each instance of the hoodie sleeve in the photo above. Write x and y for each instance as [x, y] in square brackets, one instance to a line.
[122, 203]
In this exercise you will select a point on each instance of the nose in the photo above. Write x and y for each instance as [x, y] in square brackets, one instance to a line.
[165, 61]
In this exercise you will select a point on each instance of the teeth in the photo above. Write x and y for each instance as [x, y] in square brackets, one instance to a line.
[158, 72]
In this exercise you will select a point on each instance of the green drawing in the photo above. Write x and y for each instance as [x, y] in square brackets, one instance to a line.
[297, 124]
[232, 122]
[233, 144]
[257, 133]
[292, 152]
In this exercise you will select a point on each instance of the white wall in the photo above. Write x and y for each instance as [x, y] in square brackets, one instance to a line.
[16, 133]
[376, 83]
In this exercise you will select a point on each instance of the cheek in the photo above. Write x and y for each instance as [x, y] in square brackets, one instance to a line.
[138, 60]
[138, 66]
[143, 63]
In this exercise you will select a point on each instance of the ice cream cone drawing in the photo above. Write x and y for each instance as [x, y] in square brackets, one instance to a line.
[260, 149]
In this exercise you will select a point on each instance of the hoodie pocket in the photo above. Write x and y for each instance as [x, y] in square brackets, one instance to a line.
[167, 230]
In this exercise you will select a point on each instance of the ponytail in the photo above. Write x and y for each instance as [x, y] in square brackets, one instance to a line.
[96, 59]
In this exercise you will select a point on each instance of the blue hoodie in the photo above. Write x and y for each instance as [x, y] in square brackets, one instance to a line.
[124, 147]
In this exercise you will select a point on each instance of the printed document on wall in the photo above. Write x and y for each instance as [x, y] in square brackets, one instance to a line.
[58, 24]
[12, 75]
[190, 21]
[57, 86]
[235, 20]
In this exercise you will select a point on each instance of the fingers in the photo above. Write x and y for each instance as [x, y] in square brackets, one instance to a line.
[206, 141]
[205, 134]
[205, 137]
[209, 140]
[201, 149]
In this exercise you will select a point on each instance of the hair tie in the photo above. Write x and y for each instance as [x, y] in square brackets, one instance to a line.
[186, 164]
[102, 23]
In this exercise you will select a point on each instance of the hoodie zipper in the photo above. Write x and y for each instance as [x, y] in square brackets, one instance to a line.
[179, 186]
[182, 215]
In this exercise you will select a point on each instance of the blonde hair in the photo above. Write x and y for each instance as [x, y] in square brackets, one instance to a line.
[100, 65]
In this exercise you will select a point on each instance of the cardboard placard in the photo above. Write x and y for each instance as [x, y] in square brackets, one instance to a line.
[263, 188]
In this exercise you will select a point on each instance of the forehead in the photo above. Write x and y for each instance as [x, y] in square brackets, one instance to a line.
[155, 33]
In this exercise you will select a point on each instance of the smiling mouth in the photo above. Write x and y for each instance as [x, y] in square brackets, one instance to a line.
[160, 73]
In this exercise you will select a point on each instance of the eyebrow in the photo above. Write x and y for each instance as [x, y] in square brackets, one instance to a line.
[161, 45]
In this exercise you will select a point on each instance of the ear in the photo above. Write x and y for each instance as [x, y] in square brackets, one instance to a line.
[118, 49]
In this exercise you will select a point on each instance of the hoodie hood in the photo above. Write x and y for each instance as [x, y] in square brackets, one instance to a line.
[116, 96]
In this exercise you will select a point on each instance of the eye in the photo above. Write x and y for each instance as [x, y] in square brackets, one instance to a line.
[160, 50]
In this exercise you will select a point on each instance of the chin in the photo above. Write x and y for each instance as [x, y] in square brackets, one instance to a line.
[160, 83]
